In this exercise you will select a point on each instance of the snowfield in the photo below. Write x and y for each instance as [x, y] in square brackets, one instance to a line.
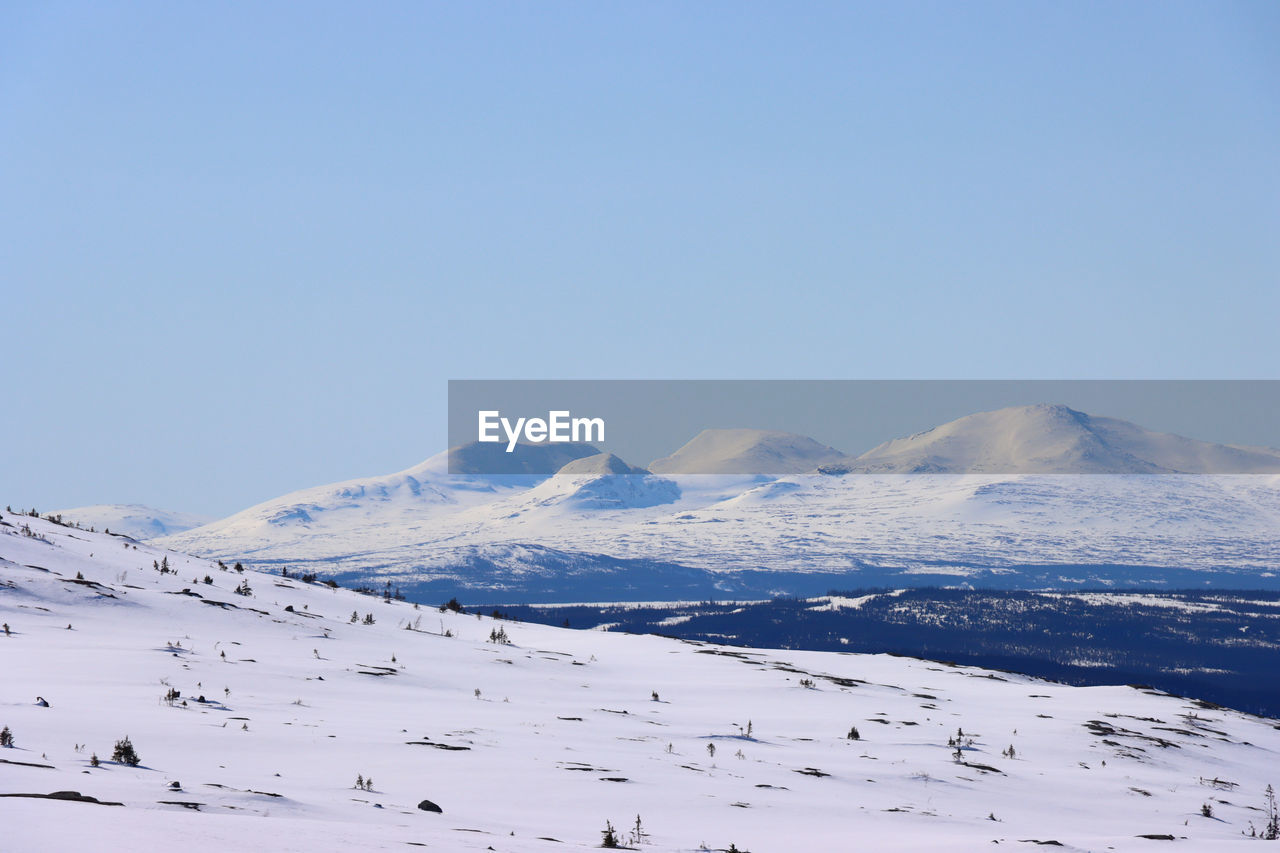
[535, 744]
[802, 523]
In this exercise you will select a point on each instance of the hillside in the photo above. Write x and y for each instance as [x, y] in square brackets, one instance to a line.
[534, 744]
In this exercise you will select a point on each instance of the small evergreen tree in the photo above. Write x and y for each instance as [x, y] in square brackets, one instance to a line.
[609, 837]
[124, 753]
[93, 760]
[6, 737]
[638, 835]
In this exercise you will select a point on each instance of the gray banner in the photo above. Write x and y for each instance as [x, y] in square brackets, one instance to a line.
[780, 427]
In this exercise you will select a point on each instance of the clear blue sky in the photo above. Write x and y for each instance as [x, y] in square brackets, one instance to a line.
[243, 246]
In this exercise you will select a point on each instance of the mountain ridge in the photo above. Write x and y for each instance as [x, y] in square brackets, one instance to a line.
[1054, 439]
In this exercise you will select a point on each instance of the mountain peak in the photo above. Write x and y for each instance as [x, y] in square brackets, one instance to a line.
[747, 451]
[134, 520]
[602, 464]
[1051, 438]
[486, 458]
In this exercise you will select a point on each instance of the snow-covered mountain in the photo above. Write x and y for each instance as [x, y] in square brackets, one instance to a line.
[1051, 439]
[602, 482]
[426, 526]
[747, 451]
[136, 520]
[256, 702]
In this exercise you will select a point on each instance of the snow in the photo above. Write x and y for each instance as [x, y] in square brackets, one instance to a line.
[1113, 599]
[841, 602]
[297, 709]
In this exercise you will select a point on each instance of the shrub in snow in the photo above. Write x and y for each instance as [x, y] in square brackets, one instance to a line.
[6, 737]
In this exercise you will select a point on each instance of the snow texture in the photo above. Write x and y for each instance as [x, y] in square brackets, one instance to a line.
[533, 744]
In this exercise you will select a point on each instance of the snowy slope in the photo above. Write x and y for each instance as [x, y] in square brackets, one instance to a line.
[136, 520]
[532, 746]
[593, 485]
[331, 520]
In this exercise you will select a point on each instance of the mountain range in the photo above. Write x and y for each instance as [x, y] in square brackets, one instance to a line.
[1005, 498]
